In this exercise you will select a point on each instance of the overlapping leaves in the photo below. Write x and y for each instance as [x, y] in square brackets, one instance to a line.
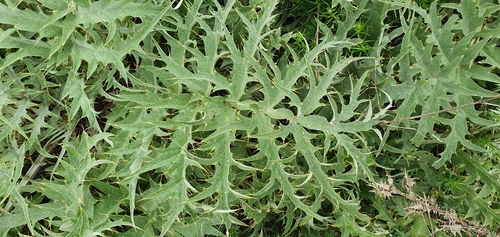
[220, 124]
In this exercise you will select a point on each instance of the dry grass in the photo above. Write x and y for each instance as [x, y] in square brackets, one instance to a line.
[447, 220]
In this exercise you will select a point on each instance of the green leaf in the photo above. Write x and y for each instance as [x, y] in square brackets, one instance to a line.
[56, 5]
[147, 99]
[26, 20]
[308, 151]
[419, 226]
[457, 135]
[280, 113]
[108, 11]
[36, 213]
[476, 172]
[75, 89]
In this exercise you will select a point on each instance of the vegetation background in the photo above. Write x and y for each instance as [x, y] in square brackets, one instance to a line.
[249, 118]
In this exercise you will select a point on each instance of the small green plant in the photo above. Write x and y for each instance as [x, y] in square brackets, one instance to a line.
[360, 29]
[309, 13]
[302, 16]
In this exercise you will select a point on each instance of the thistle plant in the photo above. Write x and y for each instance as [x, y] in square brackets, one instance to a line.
[213, 118]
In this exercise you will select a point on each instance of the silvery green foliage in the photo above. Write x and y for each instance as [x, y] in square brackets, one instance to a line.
[219, 124]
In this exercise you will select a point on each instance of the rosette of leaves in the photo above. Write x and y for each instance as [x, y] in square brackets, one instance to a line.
[239, 130]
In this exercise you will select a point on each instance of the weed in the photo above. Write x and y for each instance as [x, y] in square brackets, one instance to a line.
[250, 118]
